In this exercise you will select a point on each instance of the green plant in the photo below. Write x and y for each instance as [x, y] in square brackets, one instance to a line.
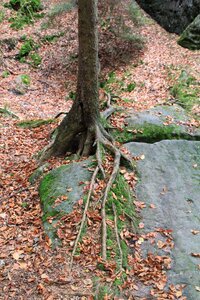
[26, 6]
[35, 60]
[26, 48]
[72, 95]
[186, 91]
[27, 12]
[5, 74]
[130, 87]
[25, 79]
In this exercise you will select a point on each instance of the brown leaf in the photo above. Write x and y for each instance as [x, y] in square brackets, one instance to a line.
[195, 254]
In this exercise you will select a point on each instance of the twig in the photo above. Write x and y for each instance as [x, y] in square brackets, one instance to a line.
[84, 214]
[117, 238]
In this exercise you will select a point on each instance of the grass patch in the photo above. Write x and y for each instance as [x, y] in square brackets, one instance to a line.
[186, 91]
[34, 123]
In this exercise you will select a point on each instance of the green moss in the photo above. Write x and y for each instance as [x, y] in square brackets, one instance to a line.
[186, 91]
[150, 133]
[34, 123]
[123, 201]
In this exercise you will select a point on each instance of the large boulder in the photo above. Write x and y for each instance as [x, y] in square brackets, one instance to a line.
[190, 38]
[173, 15]
[162, 122]
[170, 180]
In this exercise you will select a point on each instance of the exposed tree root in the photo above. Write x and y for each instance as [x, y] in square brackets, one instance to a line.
[117, 238]
[84, 214]
[88, 137]
[101, 140]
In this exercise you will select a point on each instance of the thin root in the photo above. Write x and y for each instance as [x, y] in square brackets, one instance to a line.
[84, 214]
[117, 238]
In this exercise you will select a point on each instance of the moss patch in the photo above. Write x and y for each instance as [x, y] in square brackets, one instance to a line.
[122, 197]
[34, 123]
[186, 91]
[62, 181]
[150, 133]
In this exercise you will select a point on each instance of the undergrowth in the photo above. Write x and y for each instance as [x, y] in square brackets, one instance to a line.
[186, 91]
[25, 12]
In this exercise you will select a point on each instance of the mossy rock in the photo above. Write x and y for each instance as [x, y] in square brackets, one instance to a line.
[62, 181]
[22, 83]
[38, 173]
[190, 38]
[156, 124]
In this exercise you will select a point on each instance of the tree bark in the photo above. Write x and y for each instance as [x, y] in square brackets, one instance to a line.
[77, 131]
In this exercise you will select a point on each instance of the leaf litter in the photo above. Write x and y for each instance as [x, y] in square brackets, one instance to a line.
[30, 267]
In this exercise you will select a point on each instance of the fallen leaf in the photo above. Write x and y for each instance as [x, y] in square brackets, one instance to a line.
[152, 205]
[142, 156]
[16, 254]
[195, 254]
[195, 232]
[141, 225]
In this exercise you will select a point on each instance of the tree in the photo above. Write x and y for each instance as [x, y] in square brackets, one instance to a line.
[77, 131]
[81, 130]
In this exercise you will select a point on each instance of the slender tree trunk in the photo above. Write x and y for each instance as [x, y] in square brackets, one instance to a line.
[77, 131]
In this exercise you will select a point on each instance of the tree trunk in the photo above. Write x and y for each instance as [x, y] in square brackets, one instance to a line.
[77, 131]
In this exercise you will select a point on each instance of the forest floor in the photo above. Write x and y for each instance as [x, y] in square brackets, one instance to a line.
[30, 269]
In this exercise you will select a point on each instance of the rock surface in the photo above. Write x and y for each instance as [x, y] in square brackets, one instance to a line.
[170, 179]
[62, 181]
[173, 15]
[165, 116]
[190, 38]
